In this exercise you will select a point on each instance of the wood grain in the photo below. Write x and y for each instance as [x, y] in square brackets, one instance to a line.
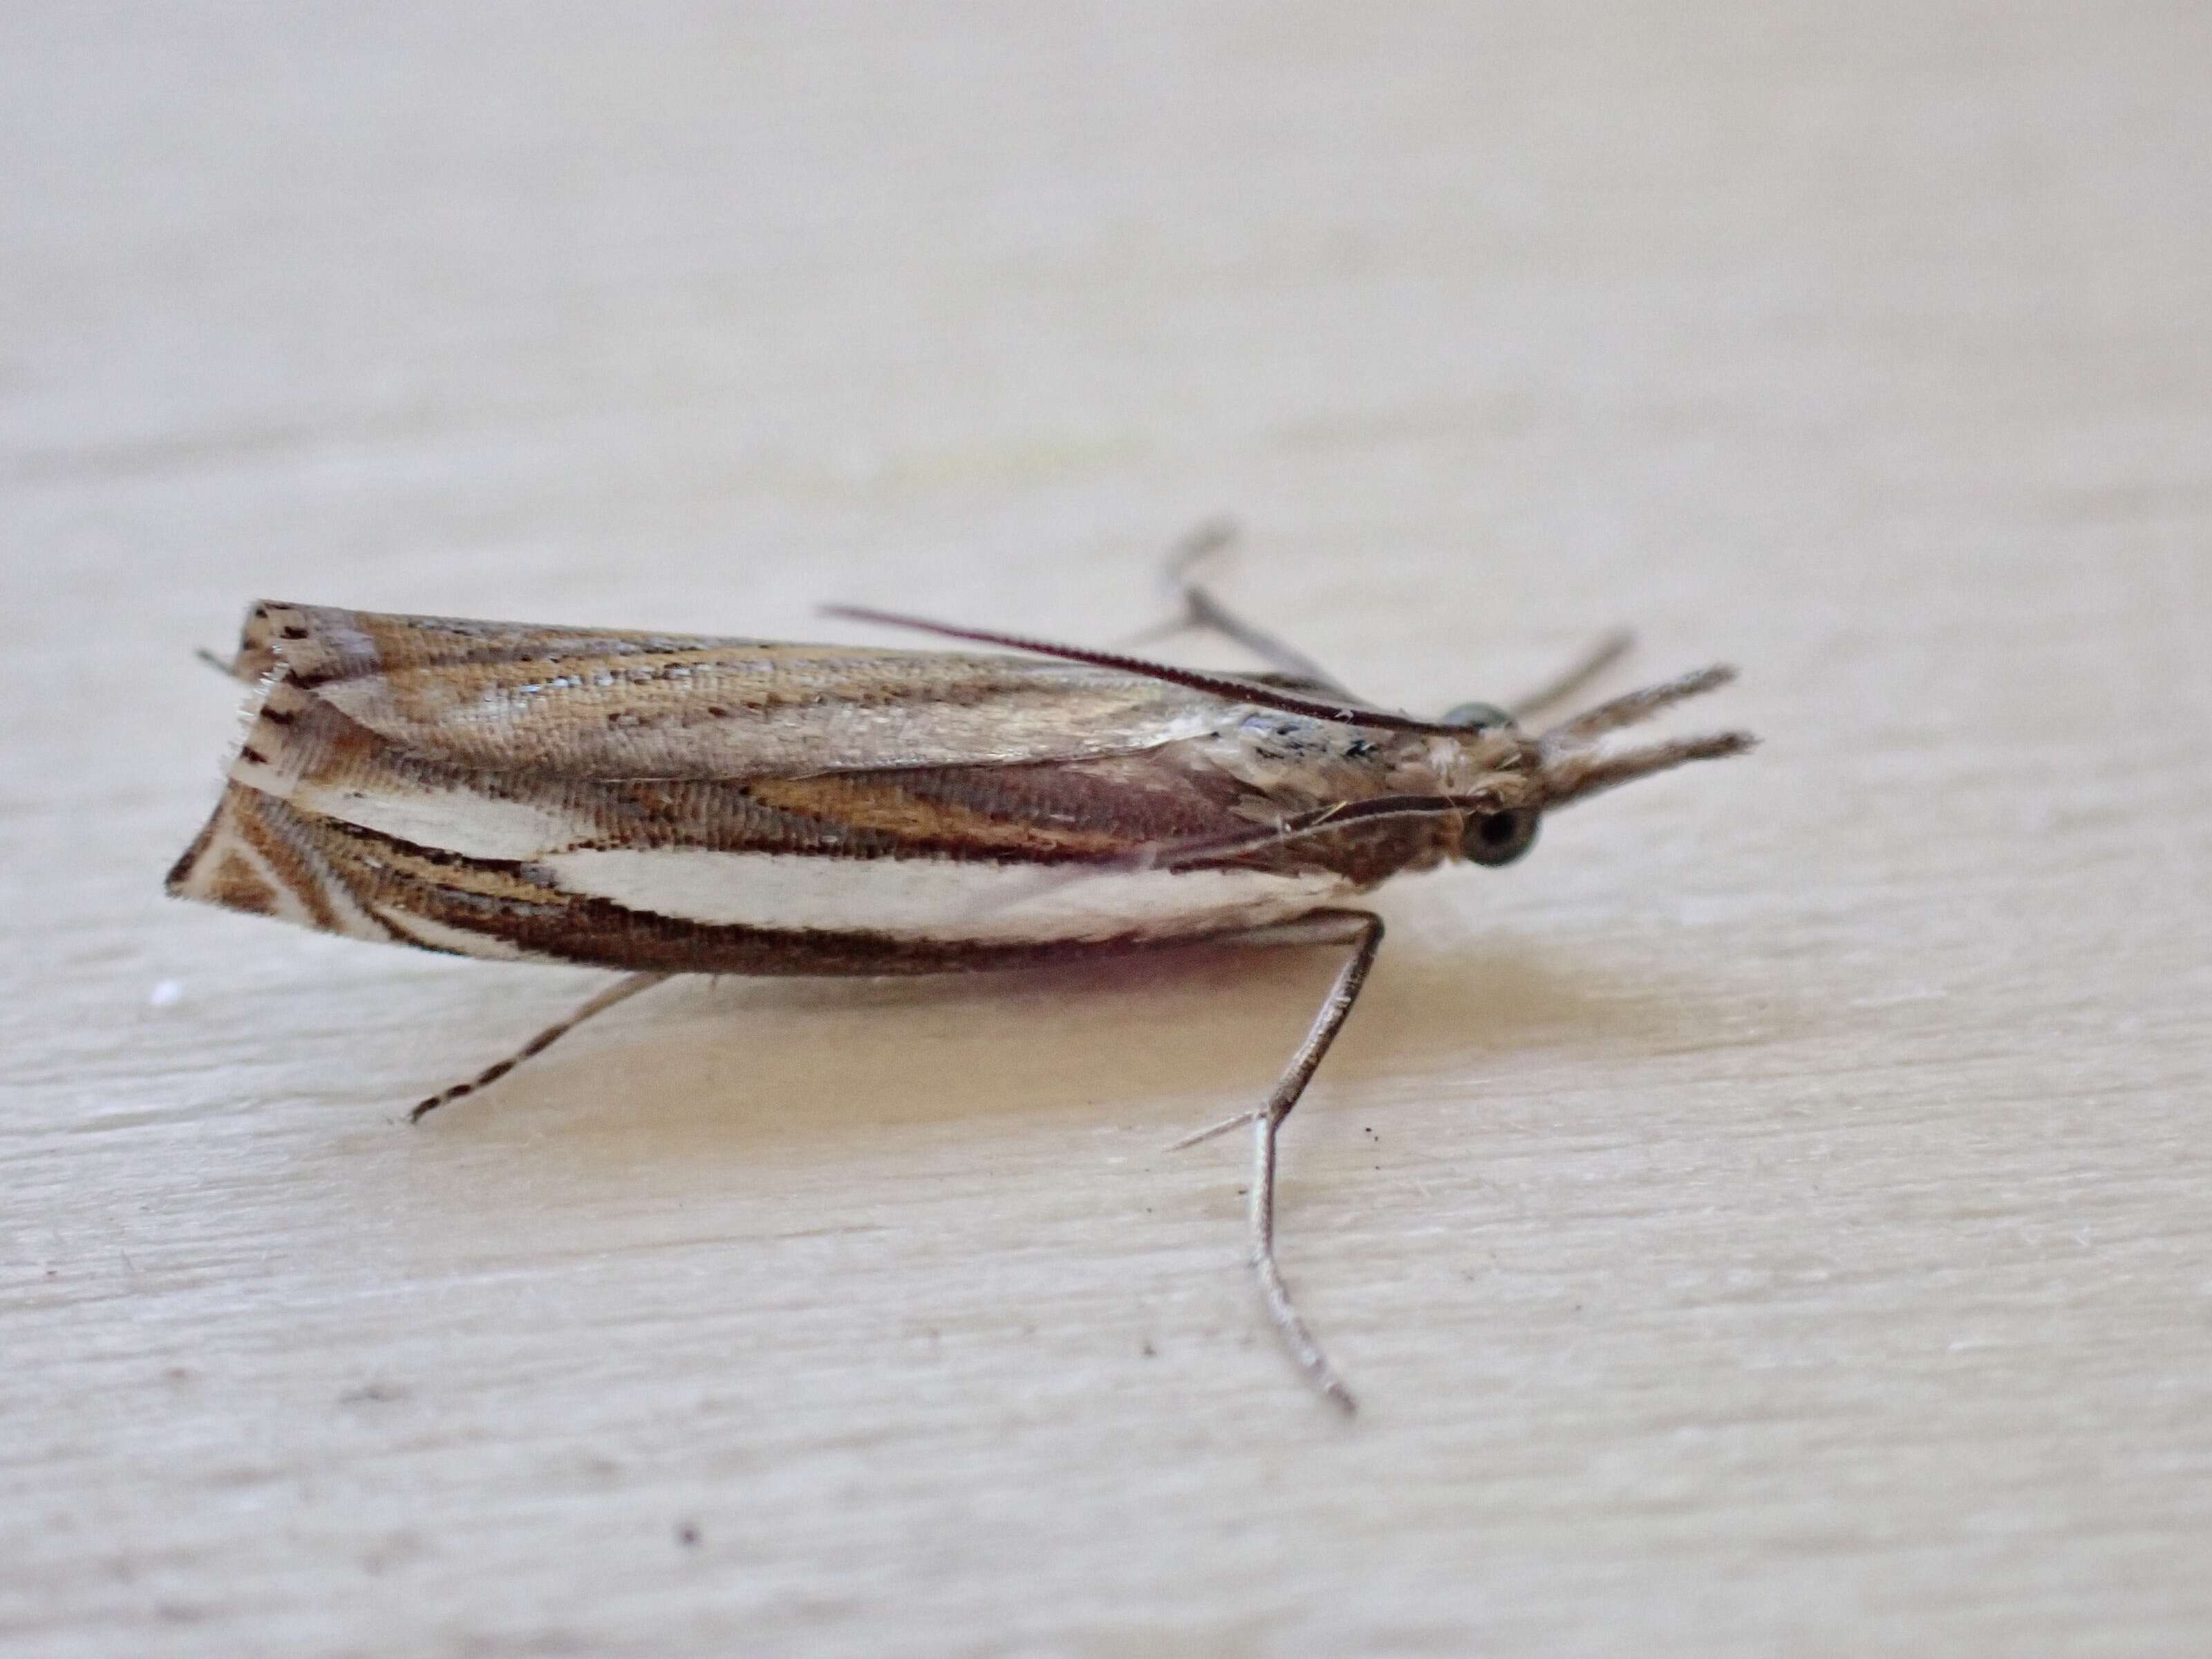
[1770, 1217]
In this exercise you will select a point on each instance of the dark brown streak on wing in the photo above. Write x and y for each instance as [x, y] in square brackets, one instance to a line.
[1082, 812]
[268, 834]
[1130, 817]
[1318, 827]
[597, 704]
[322, 643]
[1043, 812]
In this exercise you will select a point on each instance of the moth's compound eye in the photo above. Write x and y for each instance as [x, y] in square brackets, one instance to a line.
[1484, 714]
[1499, 837]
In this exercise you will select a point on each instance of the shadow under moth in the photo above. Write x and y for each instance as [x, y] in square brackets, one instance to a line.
[664, 804]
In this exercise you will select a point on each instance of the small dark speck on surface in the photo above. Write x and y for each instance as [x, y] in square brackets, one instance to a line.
[687, 1534]
[372, 1394]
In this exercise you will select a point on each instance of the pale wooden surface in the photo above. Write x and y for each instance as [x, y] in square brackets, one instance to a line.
[1771, 1218]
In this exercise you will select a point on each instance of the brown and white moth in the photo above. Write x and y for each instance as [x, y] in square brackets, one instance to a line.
[665, 803]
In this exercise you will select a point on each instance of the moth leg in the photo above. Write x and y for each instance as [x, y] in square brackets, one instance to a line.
[1592, 663]
[621, 990]
[1202, 613]
[1363, 932]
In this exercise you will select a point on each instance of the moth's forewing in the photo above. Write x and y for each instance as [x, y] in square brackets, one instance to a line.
[326, 642]
[483, 806]
[590, 703]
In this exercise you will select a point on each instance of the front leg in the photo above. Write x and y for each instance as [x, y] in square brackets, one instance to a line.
[1363, 932]
[1202, 613]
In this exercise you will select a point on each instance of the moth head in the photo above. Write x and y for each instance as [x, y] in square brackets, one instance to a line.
[1571, 761]
[1499, 837]
[1498, 834]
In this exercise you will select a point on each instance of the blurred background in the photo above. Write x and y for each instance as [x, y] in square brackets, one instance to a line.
[1773, 1217]
[481, 299]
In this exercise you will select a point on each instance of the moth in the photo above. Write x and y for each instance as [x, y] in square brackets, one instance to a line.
[663, 804]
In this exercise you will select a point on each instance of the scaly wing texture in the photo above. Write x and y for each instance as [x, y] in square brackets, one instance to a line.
[588, 703]
[336, 823]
